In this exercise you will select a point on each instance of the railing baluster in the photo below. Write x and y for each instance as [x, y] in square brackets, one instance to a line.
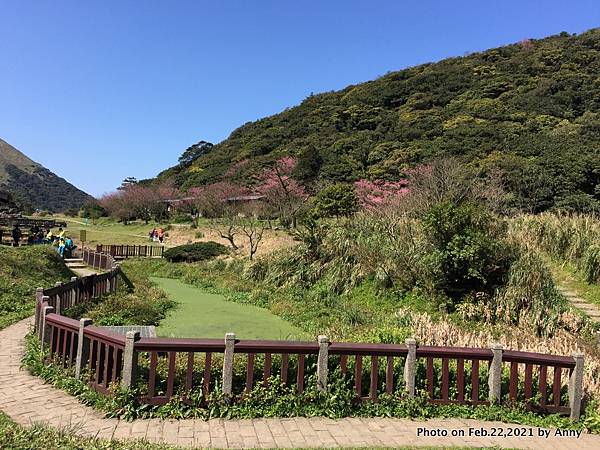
[206, 379]
[445, 379]
[542, 386]
[430, 376]
[267, 370]
[107, 349]
[250, 372]
[475, 381]
[358, 375]
[189, 371]
[152, 374]
[374, 369]
[460, 379]
[344, 364]
[91, 359]
[389, 375]
[63, 357]
[528, 380]
[171, 374]
[115, 364]
[300, 374]
[514, 380]
[98, 362]
[72, 347]
[556, 386]
[285, 359]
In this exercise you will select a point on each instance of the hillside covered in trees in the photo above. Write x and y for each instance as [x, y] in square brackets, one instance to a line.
[528, 111]
[33, 186]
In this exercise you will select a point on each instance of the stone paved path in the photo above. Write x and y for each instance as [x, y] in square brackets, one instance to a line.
[26, 399]
[588, 308]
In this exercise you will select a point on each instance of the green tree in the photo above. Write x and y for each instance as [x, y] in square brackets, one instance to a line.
[194, 152]
[467, 253]
[336, 200]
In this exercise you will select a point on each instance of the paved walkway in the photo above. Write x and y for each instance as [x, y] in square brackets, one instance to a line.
[26, 399]
[588, 308]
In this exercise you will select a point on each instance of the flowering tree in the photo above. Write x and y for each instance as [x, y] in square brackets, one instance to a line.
[374, 194]
[283, 195]
[136, 201]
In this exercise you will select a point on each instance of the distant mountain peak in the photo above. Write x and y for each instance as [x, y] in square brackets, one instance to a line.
[32, 183]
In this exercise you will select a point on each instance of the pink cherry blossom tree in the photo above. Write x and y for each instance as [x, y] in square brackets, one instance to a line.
[282, 194]
[374, 194]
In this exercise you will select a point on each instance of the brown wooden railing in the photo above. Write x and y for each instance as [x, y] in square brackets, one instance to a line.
[170, 367]
[131, 251]
[97, 349]
[97, 259]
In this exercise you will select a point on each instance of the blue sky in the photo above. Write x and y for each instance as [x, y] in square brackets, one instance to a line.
[100, 90]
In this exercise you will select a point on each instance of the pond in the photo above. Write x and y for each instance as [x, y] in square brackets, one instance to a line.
[201, 314]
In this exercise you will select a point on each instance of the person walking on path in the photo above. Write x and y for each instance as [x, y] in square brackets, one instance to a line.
[16, 235]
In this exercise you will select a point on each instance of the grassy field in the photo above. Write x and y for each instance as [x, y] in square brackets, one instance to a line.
[108, 231]
[200, 314]
[22, 270]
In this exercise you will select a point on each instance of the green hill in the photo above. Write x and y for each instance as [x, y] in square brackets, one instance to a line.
[23, 270]
[34, 185]
[530, 109]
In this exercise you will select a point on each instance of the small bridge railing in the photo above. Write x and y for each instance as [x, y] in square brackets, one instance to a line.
[131, 251]
[176, 366]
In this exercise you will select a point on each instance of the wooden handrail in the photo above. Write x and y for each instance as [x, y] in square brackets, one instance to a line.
[451, 375]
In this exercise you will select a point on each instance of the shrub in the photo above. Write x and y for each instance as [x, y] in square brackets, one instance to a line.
[468, 251]
[336, 200]
[199, 251]
[530, 296]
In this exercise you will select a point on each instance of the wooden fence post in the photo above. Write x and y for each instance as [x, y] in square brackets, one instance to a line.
[39, 294]
[322, 369]
[58, 298]
[495, 375]
[130, 358]
[72, 294]
[45, 328]
[83, 347]
[410, 366]
[576, 387]
[228, 365]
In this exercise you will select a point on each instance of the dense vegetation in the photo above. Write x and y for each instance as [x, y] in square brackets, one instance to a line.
[22, 270]
[198, 251]
[529, 111]
[145, 305]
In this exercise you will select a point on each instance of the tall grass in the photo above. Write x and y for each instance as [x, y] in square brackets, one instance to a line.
[571, 238]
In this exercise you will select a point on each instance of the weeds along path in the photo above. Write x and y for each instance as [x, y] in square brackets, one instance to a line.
[578, 302]
[577, 291]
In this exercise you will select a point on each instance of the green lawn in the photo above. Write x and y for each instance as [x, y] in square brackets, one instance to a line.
[22, 270]
[109, 231]
[200, 314]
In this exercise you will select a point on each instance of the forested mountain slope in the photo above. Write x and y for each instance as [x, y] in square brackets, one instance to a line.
[34, 185]
[530, 109]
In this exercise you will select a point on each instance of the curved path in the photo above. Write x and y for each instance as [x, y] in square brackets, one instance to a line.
[26, 399]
